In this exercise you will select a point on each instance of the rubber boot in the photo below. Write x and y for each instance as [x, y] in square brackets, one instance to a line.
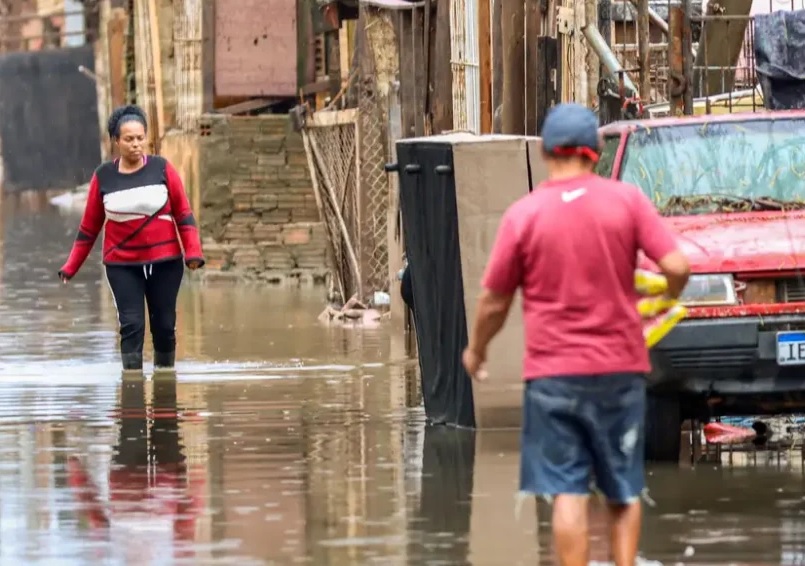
[164, 361]
[132, 364]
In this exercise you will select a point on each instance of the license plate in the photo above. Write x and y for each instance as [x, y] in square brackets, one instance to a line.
[791, 348]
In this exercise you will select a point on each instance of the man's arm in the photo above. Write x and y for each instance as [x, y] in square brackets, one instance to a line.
[659, 244]
[490, 315]
[502, 277]
[676, 269]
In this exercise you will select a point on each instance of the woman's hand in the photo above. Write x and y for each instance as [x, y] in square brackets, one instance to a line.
[193, 264]
[64, 278]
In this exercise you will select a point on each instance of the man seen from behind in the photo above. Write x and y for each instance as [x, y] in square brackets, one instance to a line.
[571, 246]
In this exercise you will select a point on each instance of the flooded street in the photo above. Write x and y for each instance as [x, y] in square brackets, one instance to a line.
[283, 441]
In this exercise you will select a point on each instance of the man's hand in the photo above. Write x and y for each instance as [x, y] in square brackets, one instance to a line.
[473, 363]
[489, 318]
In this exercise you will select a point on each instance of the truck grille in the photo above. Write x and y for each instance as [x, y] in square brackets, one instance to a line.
[716, 358]
[791, 290]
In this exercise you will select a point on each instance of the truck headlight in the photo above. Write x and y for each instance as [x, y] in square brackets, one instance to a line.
[709, 290]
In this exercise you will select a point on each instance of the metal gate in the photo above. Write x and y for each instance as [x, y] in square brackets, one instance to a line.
[722, 58]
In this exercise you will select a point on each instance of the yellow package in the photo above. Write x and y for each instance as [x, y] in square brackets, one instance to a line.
[656, 329]
[660, 312]
[649, 283]
[652, 306]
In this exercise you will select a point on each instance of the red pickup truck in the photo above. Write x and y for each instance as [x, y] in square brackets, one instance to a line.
[732, 188]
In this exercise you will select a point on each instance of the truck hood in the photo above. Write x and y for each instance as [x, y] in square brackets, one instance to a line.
[742, 242]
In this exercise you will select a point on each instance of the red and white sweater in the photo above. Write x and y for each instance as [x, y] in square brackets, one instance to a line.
[143, 211]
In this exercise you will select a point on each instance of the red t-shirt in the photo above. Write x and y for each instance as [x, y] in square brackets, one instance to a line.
[571, 246]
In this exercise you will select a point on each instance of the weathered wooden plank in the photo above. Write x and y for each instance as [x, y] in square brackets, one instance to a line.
[547, 63]
[441, 73]
[643, 50]
[497, 66]
[513, 25]
[335, 118]
[532, 25]
[208, 54]
[675, 61]
[485, 62]
[118, 22]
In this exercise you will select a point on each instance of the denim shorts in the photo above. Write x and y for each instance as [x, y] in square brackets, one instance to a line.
[584, 432]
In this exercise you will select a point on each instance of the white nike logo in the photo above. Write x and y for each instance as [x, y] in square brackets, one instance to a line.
[568, 196]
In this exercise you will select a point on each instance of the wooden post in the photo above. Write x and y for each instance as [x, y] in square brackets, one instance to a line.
[675, 61]
[605, 20]
[513, 28]
[532, 25]
[441, 73]
[592, 64]
[643, 50]
[333, 46]
[407, 92]
[413, 81]
[565, 18]
[156, 54]
[497, 64]
[485, 63]
[344, 52]
[687, 59]
[394, 235]
[118, 22]
[208, 54]
[579, 62]
[609, 107]
[547, 65]
[143, 75]
[168, 57]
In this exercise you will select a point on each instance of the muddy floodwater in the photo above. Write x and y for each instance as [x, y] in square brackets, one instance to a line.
[281, 441]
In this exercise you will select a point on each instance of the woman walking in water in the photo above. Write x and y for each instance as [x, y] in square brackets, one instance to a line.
[142, 200]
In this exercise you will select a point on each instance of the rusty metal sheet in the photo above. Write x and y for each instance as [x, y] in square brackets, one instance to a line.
[255, 48]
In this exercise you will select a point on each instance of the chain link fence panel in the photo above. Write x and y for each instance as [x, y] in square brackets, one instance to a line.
[331, 147]
[374, 192]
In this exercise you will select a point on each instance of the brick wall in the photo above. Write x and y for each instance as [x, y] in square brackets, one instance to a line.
[258, 210]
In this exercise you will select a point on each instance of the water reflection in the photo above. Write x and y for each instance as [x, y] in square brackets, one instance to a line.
[282, 441]
[439, 526]
[152, 506]
[288, 471]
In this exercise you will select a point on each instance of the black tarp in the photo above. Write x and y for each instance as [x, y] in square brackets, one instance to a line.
[430, 228]
[779, 48]
[439, 526]
[49, 129]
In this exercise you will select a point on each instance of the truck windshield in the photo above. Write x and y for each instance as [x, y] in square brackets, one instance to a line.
[719, 167]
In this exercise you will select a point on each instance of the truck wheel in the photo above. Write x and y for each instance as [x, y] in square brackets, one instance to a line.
[663, 428]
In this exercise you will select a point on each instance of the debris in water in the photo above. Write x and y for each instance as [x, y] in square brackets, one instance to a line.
[720, 433]
[352, 313]
[72, 200]
[381, 298]
[689, 551]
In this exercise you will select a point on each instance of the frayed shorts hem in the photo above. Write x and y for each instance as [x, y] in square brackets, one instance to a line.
[548, 497]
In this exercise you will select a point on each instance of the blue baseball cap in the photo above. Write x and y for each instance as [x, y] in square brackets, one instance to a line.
[570, 129]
